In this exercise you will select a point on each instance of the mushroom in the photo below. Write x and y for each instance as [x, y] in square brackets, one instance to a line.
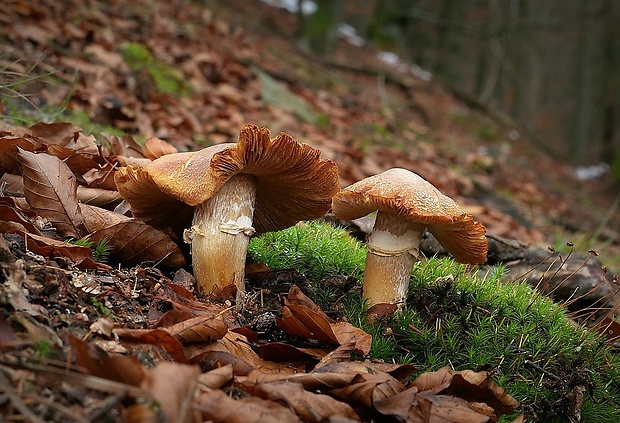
[406, 204]
[225, 193]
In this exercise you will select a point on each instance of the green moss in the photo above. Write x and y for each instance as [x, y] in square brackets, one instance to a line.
[83, 120]
[316, 249]
[166, 79]
[456, 318]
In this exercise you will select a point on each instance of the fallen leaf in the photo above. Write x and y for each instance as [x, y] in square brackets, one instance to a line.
[7, 334]
[365, 389]
[211, 360]
[297, 297]
[282, 352]
[469, 385]
[217, 377]
[218, 407]
[82, 257]
[51, 190]
[309, 406]
[345, 332]
[173, 385]
[610, 328]
[157, 337]
[95, 361]
[100, 177]
[61, 133]
[198, 329]
[99, 197]
[301, 321]
[10, 213]
[135, 242]
[155, 147]
[237, 346]
[9, 144]
[414, 406]
[97, 218]
[125, 146]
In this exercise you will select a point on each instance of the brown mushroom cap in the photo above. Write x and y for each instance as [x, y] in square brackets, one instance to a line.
[405, 193]
[293, 183]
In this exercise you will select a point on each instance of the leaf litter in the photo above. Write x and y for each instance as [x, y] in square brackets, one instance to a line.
[120, 340]
[136, 345]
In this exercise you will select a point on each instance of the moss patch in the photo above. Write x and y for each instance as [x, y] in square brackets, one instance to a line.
[455, 318]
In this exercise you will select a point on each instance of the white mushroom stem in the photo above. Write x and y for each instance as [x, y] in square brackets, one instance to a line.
[393, 247]
[220, 234]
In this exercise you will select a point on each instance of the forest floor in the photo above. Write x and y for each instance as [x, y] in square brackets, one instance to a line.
[194, 76]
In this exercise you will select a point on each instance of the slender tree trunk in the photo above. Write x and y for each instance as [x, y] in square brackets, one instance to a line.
[583, 130]
[611, 82]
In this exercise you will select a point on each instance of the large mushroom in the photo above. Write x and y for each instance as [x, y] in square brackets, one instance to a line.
[224, 194]
[406, 204]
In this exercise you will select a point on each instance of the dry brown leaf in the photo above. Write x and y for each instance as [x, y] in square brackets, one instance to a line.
[469, 385]
[155, 147]
[12, 185]
[100, 177]
[282, 352]
[296, 296]
[51, 190]
[211, 360]
[183, 300]
[479, 387]
[10, 213]
[301, 321]
[61, 133]
[366, 389]
[98, 197]
[346, 333]
[131, 161]
[412, 406]
[218, 407]
[8, 338]
[215, 378]
[173, 386]
[82, 257]
[310, 407]
[8, 151]
[610, 328]
[158, 337]
[198, 329]
[135, 242]
[125, 369]
[125, 146]
[236, 345]
[97, 218]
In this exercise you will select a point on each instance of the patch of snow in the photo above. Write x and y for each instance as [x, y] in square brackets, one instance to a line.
[308, 7]
[589, 173]
[424, 75]
[347, 32]
[389, 58]
[514, 135]
[392, 59]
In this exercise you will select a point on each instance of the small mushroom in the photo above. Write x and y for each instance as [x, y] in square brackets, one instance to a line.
[406, 204]
[224, 194]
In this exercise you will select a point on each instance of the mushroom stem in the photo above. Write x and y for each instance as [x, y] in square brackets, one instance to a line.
[393, 247]
[220, 233]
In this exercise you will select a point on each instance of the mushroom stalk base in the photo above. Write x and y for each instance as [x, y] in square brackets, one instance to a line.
[392, 249]
[220, 234]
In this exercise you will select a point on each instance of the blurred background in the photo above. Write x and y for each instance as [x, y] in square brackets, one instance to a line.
[553, 65]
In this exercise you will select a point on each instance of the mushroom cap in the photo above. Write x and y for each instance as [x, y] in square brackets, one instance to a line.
[407, 194]
[292, 182]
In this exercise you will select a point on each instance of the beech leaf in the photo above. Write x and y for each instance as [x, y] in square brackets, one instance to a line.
[155, 147]
[51, 190]
[198, 329]
[135, 242]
